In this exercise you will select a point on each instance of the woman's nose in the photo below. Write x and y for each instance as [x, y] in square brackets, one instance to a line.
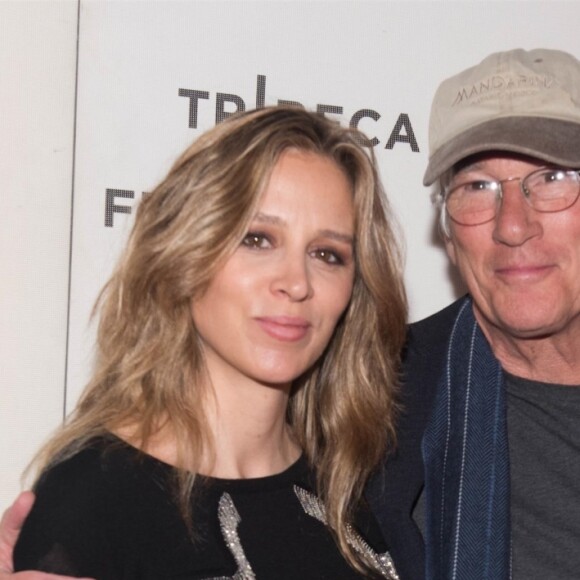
[292, 277]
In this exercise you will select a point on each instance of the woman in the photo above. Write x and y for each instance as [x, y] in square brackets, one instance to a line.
[248, 353]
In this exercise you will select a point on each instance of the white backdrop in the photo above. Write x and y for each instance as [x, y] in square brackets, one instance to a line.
[85, 129]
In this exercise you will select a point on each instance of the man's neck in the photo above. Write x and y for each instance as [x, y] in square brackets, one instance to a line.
[554, 358]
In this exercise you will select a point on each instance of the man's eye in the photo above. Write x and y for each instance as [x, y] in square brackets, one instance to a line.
[480, 185]
[475, 187]
[256, 240]
[554, 176]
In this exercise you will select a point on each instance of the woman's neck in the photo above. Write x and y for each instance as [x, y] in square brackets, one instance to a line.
[247, 427]
[251, 437]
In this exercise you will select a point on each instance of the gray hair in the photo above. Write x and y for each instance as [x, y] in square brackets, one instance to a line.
[438, 199]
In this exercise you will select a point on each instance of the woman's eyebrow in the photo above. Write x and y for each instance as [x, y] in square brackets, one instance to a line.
[338, 236]
[269, 219]
[326, 233]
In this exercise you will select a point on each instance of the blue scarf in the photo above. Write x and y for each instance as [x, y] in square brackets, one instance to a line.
[465, 450]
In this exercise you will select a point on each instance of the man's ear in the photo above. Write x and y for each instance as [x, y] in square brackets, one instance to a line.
[450, 247]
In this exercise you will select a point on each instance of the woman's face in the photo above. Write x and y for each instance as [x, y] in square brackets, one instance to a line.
[269, 313]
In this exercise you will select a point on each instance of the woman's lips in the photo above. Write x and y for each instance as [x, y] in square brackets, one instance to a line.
[284, 328]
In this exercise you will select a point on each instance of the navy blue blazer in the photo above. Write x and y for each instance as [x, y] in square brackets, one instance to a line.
[394, 491]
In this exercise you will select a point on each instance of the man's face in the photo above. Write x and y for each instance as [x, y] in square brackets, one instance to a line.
[522, 268]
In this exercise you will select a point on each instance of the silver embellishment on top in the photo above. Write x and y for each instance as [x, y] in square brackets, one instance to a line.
[382, 563]
[229, 520]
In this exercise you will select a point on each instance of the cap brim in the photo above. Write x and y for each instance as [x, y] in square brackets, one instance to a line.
[552, 140]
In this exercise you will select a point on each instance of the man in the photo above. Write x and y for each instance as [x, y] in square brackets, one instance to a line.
[491, 382]
[488, 457]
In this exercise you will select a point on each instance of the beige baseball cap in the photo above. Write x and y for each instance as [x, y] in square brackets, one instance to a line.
[518, 101]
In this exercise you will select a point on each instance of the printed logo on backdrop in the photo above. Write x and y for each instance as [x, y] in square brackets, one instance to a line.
[224, 105]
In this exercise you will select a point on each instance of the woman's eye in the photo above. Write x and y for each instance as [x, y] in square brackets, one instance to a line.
[329, 256]
[256, 240]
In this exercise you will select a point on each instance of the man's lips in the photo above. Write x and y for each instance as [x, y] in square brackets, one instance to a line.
[284, 328]
[524, 272]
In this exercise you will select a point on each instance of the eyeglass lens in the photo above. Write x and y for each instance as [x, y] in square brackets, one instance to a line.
[547, 190]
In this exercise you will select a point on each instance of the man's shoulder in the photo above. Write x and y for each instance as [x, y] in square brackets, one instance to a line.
[424, 356]
[434, 331]
[394, 491]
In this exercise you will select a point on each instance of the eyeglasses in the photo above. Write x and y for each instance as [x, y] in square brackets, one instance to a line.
[547, 190]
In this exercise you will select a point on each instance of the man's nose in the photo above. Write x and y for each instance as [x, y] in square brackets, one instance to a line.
[516, 221]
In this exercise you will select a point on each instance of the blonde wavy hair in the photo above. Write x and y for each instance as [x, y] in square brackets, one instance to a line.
[149, 364]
